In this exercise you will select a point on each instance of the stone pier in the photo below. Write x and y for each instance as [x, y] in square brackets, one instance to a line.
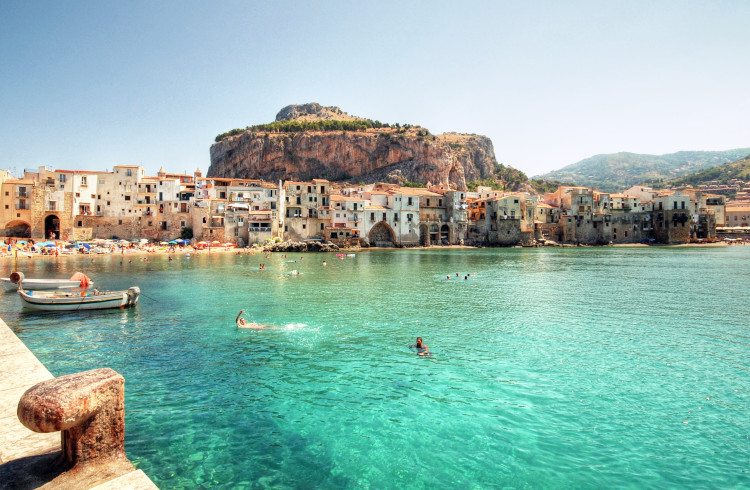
[59, 452]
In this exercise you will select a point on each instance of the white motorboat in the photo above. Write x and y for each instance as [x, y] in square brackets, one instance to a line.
[74, 300]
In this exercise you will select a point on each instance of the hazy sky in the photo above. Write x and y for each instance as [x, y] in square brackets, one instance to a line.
[88, 85]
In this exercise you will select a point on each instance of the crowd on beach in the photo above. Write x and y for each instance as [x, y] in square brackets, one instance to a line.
[14, 248]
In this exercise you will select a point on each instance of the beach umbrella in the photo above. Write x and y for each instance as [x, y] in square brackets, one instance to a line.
[172, 242]
[85, 245]
[135, 240]
[216, 242]
[22, 242]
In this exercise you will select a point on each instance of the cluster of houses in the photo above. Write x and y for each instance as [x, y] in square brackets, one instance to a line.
[127, 204]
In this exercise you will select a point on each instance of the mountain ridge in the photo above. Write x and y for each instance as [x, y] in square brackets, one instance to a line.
[611, 172]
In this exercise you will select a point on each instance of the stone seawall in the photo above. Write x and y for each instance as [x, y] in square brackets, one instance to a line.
[28, 459]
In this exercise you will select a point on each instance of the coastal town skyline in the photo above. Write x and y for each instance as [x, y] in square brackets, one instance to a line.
[89, 87]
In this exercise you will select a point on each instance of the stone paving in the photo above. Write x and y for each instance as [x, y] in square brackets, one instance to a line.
[19, 371]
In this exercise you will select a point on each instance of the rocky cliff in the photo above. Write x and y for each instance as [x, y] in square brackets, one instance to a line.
[374, 154]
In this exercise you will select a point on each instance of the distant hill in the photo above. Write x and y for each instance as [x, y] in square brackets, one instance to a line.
[722, 174]
[618, 171]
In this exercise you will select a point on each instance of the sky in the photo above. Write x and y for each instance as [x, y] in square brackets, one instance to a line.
[89, 85]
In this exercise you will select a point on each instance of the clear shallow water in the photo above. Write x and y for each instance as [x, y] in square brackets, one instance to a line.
[553, 368]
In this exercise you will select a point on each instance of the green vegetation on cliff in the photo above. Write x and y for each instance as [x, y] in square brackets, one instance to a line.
[294, 126]
[504, 178]
[618, 171]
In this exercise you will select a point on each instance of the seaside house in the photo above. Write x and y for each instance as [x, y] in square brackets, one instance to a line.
[672, 217]
[302, 200]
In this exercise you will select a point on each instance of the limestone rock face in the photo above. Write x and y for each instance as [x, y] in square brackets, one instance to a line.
[374, 155]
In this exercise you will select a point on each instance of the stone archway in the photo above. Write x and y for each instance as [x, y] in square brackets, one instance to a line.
[18, 229]
[52, 227]
[381, 235]
[445, 235]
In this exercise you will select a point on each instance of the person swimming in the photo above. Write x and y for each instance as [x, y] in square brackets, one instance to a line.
[242, 323]
[422, 349]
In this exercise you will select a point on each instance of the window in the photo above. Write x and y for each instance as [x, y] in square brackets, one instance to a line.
[408, 201]
[80, 224]
[119, 221]
[372, 217]
[322, 227]
[101, 181]
[83, 180]
[62, 178]
[129, 172]
[304, 226]
[127, 198]
[408, 217]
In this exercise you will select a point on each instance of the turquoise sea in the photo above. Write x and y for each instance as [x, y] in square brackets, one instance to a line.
[552, 368]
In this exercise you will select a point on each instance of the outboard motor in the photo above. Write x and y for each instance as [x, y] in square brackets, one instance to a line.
[17, 278]
[133, 294]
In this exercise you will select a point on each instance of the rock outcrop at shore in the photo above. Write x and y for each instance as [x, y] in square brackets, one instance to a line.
[376, 154]
[290, 246]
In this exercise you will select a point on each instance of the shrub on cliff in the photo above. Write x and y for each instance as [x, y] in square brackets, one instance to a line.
[286, 126]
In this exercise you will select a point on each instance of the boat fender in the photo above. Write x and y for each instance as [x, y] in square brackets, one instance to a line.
[16, 277]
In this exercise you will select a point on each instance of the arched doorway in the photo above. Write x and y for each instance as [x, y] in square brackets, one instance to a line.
[18, 229]
[52, 227]
[445, 235]
[381, 235]
[434, 234]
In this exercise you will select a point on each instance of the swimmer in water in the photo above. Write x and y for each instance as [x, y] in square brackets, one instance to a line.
[422, 349]
[242, 323]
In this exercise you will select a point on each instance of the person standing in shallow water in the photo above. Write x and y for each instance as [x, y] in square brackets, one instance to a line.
[422, 349]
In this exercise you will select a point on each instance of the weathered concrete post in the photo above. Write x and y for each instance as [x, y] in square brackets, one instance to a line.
[89, 409]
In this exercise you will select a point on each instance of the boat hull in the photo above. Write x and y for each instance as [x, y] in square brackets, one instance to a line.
[41, 284]
[60, 301]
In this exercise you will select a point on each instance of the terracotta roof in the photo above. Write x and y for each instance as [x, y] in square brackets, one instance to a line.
[414, 191]
[77, 171]
[375, 207]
